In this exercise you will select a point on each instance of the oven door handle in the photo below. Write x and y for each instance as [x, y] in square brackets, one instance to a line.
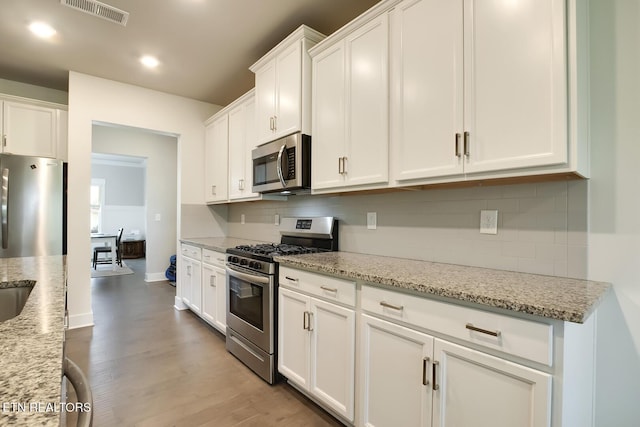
[279, 165]
[248, 277]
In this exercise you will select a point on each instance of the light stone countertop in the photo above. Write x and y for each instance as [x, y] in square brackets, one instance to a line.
[31, 343]
[553, 297]
[220, 244]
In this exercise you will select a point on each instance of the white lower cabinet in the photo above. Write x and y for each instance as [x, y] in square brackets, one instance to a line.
[190, 275]
[203, 284]
[214, 289]
[316, 347]
[433, 382]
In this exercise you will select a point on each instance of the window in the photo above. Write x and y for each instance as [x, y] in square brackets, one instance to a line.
[97, 203]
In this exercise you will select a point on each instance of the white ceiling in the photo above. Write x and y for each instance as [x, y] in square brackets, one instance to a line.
[205, 46]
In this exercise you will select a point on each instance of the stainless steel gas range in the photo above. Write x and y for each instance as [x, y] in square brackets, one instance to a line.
[252, 289]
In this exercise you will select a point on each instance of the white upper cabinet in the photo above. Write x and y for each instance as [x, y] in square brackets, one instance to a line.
[30, 129]
[216, 158]
[478, 87]
[515, 84]
[350, 106]
[283, 85]
[241, 142]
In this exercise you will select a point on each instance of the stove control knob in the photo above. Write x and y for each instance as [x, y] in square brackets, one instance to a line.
[233, 259]
[243, 262]
[256, 265]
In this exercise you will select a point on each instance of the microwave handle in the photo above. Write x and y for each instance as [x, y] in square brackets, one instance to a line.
[279, 165]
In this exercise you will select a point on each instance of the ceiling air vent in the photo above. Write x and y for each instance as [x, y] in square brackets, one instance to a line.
[99, 9]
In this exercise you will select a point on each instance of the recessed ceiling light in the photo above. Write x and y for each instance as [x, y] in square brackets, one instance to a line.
[42, 30]
[149, 61]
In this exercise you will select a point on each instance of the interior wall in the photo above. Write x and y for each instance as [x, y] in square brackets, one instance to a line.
[91, 100]
[124, 204]
[614, 205]
[541, 227]
[25, 90]
[128, 189]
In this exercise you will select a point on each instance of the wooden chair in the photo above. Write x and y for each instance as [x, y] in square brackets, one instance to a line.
[107, 249]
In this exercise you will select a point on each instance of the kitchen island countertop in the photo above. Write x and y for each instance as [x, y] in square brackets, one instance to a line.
[553, 297]
[31, 343]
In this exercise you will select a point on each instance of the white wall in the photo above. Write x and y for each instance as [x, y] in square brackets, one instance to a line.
[614, 205]
[92, 99]
[160, 196]
[34, 92]
[541, 227]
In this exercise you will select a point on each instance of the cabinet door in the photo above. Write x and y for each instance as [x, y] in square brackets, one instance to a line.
[196, 287]
[366, 158]
[328, 117]
[476, 389]
[293, 338]
[237, 132]
[265, 101]
[29, 130]
[216, 157]
[186, 274]
[427, 95]
[209, 294]
[221, 299]
[394, 379]
[333, 356]
[515, 84]
[288, 91]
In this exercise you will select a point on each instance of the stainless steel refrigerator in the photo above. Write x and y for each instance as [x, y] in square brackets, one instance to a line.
[31, 214]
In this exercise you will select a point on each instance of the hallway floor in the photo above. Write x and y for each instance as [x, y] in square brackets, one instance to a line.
[151, 365]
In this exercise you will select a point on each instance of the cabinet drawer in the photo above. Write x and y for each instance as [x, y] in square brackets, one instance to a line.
[523, 338]
[191, 251]
[213, 257]
[329, 288]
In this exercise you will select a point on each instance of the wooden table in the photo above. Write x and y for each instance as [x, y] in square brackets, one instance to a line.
[101, 237]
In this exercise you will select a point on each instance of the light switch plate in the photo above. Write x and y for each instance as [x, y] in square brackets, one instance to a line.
[276, 219]
[157, 217]
[372, 220]
[489, 222]
[241, 218]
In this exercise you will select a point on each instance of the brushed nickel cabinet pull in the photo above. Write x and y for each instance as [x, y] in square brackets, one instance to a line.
[425, 362]
[344, 164]
[458, 154]
[435, 366]
[482, 331]
[275, 123]
[241, 184]
[310, 321]
[324, 288]
[212, 281]
[271, 123]
[394, 307]
[466, 144]
[291, 278]
[340, 165]
[213, 190]
[304, 320]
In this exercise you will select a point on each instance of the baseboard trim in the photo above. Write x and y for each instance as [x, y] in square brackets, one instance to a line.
[155, 277]
[178, 304]
[80, 320]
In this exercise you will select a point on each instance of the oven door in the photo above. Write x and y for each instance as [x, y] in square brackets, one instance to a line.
[250, 307]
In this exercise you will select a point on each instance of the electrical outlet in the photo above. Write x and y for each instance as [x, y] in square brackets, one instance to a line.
[372, 220]
[489, 222]
[277, 219]
[241, 218]
[157, 217]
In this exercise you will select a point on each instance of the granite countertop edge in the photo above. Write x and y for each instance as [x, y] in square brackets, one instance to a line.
[566, 299]
[220, 244]
[31, 348]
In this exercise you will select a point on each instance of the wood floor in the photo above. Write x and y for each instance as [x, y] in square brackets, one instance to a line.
[150, 365]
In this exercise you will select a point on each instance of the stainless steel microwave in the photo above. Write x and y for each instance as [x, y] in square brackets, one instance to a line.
[283, 165]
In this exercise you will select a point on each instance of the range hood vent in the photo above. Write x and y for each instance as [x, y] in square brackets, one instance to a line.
[101, 10]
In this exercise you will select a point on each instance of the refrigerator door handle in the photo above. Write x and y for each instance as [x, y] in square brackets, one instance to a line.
[4, 210]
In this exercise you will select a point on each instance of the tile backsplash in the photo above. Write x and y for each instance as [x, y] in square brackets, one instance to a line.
[541, 226]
